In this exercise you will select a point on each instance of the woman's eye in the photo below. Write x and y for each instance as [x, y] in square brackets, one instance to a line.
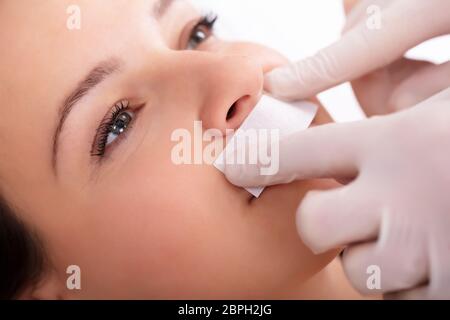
[198, 36]
[115, 124]
[120, 125]
[202, 31]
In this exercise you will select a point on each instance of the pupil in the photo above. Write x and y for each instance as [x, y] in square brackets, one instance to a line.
[121, 124]
[199, 36]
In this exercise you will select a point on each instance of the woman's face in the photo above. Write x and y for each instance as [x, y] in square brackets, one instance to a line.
[112, 201]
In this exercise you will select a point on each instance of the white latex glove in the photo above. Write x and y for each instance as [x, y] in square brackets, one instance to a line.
[363, 49]
[396, 212]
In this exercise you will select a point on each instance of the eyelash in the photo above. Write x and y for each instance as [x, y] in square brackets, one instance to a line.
[105, 128]
[99, 146]
[205, 24]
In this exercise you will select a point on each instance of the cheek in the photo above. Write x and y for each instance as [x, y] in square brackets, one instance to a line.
[142, 233]
[155, 222]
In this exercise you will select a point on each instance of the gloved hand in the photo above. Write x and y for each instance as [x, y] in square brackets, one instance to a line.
[396, 212]
[365, 48]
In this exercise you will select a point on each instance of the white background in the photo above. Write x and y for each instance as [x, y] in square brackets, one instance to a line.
[299, 28]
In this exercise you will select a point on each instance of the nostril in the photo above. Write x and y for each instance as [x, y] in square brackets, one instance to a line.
[231, 112]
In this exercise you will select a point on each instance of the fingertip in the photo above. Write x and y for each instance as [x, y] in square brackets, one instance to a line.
[359, 263]
[352, 267]
[269, 79]
[234, 174]
[243, 175]
[308, 222]
[273, 82]
[283, 83]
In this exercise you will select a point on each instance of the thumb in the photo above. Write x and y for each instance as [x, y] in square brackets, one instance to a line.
[330, 219]
[362, 50]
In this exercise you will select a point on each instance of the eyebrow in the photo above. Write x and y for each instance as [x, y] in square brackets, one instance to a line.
[97, 75]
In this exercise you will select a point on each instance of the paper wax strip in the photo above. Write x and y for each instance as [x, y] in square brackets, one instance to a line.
[271, 114]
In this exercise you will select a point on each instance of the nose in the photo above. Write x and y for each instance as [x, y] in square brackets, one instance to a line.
[231, 87]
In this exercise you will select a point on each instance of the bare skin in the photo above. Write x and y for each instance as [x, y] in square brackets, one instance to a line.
[138, 225]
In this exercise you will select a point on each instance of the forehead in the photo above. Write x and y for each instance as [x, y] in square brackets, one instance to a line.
[37, 38]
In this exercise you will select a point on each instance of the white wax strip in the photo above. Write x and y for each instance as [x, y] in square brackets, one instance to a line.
[271, 114]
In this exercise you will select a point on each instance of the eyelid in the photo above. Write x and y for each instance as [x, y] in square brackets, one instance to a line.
[103, 129]
[124, 136]
[190, 26]
[186, 33]
[110, 150]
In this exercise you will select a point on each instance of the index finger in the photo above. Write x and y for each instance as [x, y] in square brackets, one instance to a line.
[362, 50]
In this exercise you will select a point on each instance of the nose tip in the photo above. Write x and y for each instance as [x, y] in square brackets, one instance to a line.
[233, 87]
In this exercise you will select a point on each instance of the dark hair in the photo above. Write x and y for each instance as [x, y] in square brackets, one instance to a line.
[21, 254]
